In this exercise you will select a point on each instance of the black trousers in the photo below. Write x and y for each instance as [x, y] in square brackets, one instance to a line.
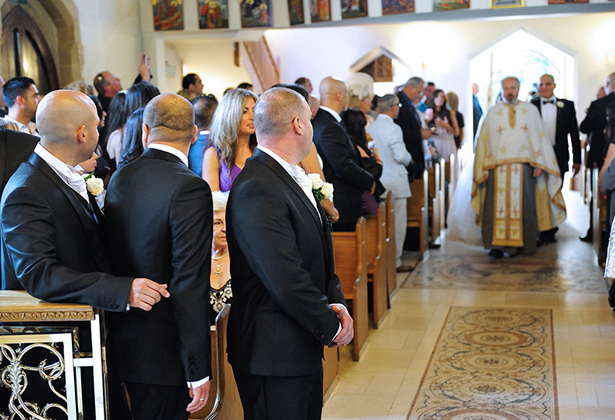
[158, 402]
[280, 397]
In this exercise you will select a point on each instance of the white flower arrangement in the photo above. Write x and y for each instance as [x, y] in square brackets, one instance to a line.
[322, 190]
[560, 104]
[94, 185]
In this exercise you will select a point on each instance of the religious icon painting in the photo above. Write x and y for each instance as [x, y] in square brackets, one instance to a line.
[213, 14]
[255, 13]
[168, 15]
[442, 5]
[295, 12]
[393, 7]
[568, 1]
[354, 8]
[501, 4]
[320, 10]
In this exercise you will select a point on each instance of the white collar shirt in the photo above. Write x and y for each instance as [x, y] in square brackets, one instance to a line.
[548, 110]
[29, 128]
[169, 149]
[332, 112]
[67, 173]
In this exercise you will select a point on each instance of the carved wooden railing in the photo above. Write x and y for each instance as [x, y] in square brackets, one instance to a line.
[260, 64]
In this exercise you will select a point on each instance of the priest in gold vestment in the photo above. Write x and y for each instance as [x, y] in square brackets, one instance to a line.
[516, 189]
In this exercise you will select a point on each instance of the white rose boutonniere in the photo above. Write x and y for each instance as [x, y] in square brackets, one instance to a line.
[322, 190]
[560, 104]
[94, 185]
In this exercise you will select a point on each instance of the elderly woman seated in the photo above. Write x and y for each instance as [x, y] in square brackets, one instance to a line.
[220, 278]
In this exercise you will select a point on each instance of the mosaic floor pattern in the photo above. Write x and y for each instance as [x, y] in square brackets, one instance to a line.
[490, 364]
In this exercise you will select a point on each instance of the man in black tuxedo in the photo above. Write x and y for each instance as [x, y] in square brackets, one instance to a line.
[159, 224]
[411, 125]
[51, 239]
[288, 301]
[15, 148]
[593, 125]
[341, 159]
[560, 121]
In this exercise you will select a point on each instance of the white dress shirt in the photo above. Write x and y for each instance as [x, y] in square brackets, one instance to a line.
[30, 128]
[549, 116]
[67, 173]
[332, 112]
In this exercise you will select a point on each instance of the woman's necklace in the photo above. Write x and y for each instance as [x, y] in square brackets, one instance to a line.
[218, 271]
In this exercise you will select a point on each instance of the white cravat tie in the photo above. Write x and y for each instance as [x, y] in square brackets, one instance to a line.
[305, 183]
[76, 182]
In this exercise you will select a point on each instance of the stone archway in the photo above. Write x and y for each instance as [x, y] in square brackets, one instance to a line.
[59, 22]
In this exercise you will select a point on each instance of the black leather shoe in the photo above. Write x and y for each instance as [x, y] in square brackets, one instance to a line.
[496, 254]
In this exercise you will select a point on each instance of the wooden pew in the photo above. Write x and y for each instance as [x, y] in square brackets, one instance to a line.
[442, 197]
[434, 205]
[598, 208]
[376, 263]
[223, 401]
[350, 255]
[391, 250]
[330, 368]
[418, 211]
[451, 171]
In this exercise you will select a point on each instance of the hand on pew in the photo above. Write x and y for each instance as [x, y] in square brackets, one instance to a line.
[347, 333]
[199, 397]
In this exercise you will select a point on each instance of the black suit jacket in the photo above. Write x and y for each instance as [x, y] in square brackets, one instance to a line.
[159, 225]
[594, 125]
[566, 124]
[51, 242]
[283, 274]
[341, 166]
[15, 148]
[410, 125]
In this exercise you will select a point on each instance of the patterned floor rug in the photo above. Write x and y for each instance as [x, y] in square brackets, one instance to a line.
[490, 364]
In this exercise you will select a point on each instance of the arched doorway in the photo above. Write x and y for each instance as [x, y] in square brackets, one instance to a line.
[25, 51]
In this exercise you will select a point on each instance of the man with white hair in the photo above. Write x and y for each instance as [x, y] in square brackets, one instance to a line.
[517, 185]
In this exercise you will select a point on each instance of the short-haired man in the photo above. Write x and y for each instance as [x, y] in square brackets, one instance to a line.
[430, 88]
[517, 185]
[22, 98]
[204, 107]
[159, 224]
[389, 140]
[192, 86]
[411, 123]
[341, 160]
[306, 83]
[560, 120]
[288, 302]
[108, 85]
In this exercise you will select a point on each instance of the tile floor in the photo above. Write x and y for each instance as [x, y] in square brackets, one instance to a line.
[382, 385]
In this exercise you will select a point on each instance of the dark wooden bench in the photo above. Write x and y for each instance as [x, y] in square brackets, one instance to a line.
[390, 246]
[417, 208]
[350, 253]
[377, 264]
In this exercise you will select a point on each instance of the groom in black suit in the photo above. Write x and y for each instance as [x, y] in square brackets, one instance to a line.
[560, 119]
[159, 216]
[288, 302]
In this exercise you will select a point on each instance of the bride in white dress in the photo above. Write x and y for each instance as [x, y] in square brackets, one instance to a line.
[461, 218]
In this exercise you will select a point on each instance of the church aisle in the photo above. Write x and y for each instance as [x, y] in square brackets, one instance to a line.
[562, 277]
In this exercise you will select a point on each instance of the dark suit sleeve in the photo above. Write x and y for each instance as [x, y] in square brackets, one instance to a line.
[266, 237]
[573, 130]
[191, 222]
[590, 120]
[334, 144]
[608, 177]
[29, 235]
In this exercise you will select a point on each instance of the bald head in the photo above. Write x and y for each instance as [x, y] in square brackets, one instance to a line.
[60, 114]
[609, 85]
[333, 94]
[169, 118]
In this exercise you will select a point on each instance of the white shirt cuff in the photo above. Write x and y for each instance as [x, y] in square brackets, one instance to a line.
[197, 384]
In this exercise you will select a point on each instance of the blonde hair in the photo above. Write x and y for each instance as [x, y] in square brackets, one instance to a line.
[81, 86]
[219, 199]
[9, 125]
[224, 130]
[360, 86]
[453, 101]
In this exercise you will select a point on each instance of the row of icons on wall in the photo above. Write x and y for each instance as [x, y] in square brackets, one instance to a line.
[213, 14]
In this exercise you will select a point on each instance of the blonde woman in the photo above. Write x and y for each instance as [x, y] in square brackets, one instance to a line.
[361, 94]
[453, 102]
[231, 139]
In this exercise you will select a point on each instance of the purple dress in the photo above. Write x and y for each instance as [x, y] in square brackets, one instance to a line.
[226, 179]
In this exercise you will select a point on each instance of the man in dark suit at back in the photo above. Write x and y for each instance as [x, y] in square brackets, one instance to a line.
[560, 120]
[411, 125]
[288, 301]
[159, 224]
[341, 159]
[15, 148]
